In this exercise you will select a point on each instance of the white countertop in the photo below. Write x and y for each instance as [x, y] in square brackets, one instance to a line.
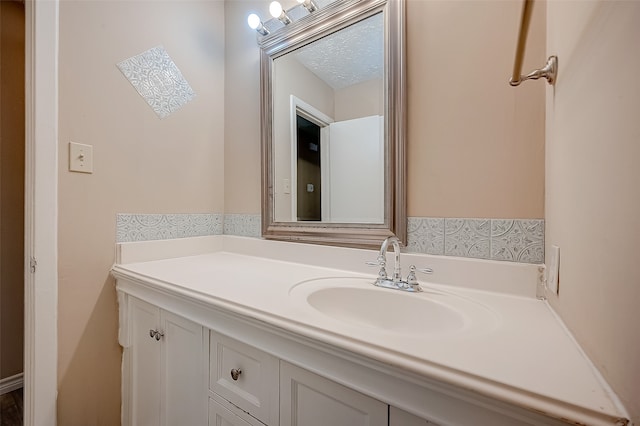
[525, 357]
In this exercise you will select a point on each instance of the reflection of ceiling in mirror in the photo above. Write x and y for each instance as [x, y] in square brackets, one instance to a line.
[347, 57]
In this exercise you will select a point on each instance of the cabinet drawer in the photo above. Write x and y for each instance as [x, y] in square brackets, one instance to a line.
[221, 416]
[245, 376]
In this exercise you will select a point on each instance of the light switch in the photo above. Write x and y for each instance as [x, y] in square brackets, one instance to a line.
[286, 184]
[80, 158]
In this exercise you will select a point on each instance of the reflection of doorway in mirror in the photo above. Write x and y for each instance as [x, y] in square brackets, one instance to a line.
[308, 166]
[315, 127]
[337, 169]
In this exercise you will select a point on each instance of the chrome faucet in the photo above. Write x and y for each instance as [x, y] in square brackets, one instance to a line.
[382, 257]
[396, 281]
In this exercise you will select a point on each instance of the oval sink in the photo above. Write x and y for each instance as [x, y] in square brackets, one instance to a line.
[388, 310]
[358, 302]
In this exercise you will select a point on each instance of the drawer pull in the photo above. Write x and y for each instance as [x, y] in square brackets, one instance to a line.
[155, 333]
[235, 373]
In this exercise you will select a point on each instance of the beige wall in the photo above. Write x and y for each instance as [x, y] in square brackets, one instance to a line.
[141, 164]
[592, 174]
[11, 187]
[242, 106]
[475, 144]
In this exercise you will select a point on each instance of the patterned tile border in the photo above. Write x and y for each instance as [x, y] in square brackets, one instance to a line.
[146, 227]
[158, 80]
[515, 240]
[245, 225]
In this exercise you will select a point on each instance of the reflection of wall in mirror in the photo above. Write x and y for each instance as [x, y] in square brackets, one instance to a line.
[359, 100]
[291, 78]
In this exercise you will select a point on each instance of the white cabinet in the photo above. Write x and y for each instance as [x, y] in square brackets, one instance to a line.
[164, 372]
[179, 371]
[307, 399]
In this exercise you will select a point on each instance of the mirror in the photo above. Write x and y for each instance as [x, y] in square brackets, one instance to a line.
[333, 127]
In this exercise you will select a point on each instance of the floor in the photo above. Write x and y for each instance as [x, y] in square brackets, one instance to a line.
[11, 408]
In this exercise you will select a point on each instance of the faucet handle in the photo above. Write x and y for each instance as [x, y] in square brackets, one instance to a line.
[382, 263]
[412, 280]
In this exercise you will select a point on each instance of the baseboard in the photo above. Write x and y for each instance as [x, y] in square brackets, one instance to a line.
[12, 383]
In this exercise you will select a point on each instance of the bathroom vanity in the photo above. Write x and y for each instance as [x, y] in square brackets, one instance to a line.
[241, 331]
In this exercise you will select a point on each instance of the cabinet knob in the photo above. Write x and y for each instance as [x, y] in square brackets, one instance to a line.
[156, 334]
[235, 373]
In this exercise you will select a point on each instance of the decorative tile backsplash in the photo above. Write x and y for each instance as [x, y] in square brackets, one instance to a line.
[515, 240]
[146, 227]
[245, 225]
[467, 237]
[158, 80]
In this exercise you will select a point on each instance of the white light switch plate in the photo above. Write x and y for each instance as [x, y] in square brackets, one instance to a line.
[80, 158]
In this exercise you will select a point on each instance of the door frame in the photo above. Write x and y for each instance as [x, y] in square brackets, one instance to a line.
[41, 212]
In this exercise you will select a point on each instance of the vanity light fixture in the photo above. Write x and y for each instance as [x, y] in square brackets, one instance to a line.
[310, 5]
[256, 24]
[276, 10]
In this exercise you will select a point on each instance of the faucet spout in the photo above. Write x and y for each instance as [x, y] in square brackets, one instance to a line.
[395, 242]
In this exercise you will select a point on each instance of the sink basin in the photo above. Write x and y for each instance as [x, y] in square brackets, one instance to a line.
[356, 301]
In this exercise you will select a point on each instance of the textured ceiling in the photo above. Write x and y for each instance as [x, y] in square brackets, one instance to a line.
[350, 56]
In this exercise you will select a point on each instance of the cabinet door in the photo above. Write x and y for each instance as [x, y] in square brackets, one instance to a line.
[184, 378]
[144, 355]
[307, 399]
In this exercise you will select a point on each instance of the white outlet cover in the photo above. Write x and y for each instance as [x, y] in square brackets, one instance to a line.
[554, 270]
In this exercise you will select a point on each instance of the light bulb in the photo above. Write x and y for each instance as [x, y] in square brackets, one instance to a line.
[254, 21]
[256, 24]
[275, 8]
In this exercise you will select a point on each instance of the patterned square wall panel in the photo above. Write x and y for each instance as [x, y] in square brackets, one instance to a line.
[158, 80]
